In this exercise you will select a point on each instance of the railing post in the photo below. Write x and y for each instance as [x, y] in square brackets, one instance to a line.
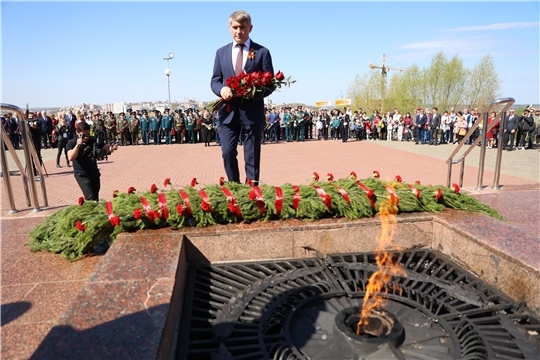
[482, 153]
[7, 177]
[500, 147]
[461, 172]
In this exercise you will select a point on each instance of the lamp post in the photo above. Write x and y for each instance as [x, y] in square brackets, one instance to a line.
[168, 73]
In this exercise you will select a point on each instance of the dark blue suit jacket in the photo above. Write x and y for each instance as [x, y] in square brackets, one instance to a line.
[251, 112]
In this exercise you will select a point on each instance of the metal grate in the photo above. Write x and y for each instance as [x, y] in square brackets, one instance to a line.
[286, 310]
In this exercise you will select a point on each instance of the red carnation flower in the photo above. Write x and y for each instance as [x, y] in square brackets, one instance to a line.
[180, 209]
[398, 178]
[221, 181]
[115, 193]
[194, 182]
[330, 177]
[137, 213]
[353, 175]
[156, 214]
[456, 188]
[376, 174]
[280, 76]
[417, 182]
[438, 196]
[231, 207]
[81, 201]
[167, 182]
[153, 188]
[131, 190]
[315, 176]
[79, 225]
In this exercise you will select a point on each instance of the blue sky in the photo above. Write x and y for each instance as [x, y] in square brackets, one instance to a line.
[100, 52]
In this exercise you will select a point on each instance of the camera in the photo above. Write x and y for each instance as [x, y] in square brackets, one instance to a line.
[95, 151]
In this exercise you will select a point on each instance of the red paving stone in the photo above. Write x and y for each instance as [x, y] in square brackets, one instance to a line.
[48, 283]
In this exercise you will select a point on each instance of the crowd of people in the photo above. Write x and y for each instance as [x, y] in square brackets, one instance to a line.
[421, 126]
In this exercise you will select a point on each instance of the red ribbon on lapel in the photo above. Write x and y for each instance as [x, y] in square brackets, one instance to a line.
[233, 206]
[185, 197]
[163, 205]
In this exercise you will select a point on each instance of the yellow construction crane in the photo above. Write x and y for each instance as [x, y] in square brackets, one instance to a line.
[385, 69]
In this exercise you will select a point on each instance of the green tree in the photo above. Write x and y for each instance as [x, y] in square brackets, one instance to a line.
[483, 85]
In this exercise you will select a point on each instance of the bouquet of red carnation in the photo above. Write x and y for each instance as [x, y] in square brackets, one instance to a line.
[245, 86]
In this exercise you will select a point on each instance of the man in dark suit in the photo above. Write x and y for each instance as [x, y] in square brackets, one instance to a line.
[421, 120]
[434, 126]
[70, 119]
[46, 128]
[510, 130]
[244, 117]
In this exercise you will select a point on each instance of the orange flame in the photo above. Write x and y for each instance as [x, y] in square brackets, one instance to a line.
[387, 267]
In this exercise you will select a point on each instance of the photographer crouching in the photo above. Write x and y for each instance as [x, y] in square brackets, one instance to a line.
[84, 152]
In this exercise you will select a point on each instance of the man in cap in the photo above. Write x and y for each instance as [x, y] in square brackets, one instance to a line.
[166, 126]
[145, 127]
[240, 117]
[155, 126]
[300, 123]
[134, 123]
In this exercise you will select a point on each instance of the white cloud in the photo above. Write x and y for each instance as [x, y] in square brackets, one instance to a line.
[465, 47]
[499, 26]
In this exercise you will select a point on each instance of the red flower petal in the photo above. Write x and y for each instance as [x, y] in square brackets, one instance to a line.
[456, 188]
[153, 188]
[398, 178]
[194, 182]
[376, 174]
[353, 175]
[221, 181]
[81, 201]
[167, 182]
[115, 193]
[131, 190]
[137, 213]
[330, 177]
[315, 176]
[79, 225]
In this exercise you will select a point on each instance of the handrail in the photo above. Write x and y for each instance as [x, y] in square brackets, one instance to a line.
[501, 116]
[30, 156]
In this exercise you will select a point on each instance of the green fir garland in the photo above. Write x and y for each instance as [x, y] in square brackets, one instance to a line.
[80, 229]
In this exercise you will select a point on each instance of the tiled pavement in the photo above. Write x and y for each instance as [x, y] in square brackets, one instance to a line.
[38, 287]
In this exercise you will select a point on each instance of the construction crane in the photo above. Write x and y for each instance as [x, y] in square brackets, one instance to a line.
[385, 69]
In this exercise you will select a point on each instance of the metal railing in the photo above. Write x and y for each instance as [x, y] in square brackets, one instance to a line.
[31, 160]
[501, 117]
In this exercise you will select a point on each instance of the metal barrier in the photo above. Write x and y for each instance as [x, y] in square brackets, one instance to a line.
[27, 172]
[501, 116]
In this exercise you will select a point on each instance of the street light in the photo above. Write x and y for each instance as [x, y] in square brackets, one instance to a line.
[168, 73]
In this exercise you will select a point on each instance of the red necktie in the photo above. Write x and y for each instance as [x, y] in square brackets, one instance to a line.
[239, 60]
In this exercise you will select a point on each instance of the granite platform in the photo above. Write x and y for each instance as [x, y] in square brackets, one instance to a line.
[130, 307]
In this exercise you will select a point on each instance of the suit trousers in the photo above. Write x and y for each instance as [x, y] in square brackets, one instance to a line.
[229, 135]
[89, 184]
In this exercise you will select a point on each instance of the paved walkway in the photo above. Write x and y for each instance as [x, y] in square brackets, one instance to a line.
[38, 287]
